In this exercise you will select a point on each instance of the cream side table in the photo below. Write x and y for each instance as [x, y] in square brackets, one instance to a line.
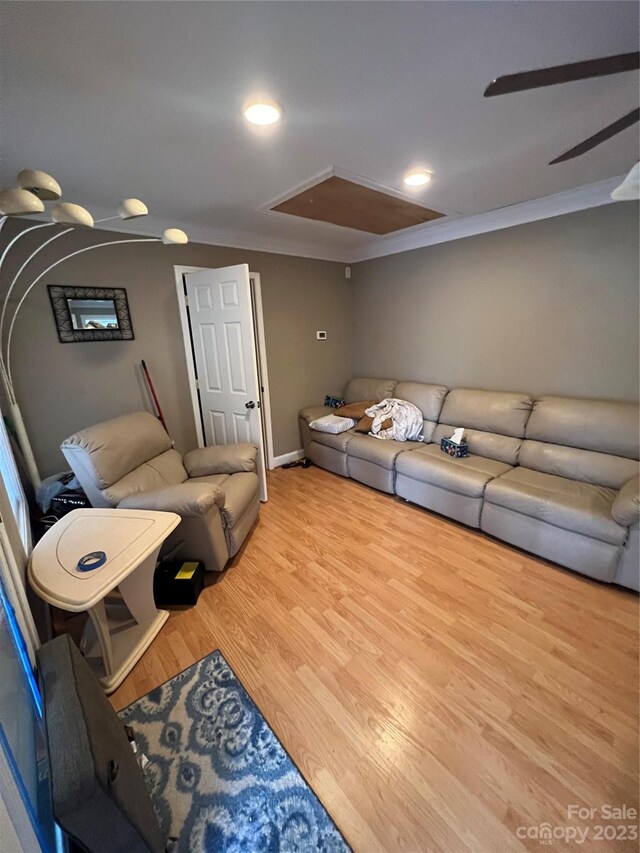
[124, 543]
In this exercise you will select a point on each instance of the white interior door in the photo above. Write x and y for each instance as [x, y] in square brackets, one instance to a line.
[223, 336]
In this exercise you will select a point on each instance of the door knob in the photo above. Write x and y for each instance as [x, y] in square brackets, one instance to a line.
[250, 405]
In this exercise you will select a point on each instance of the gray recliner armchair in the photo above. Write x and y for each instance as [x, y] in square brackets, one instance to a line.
[129, 462]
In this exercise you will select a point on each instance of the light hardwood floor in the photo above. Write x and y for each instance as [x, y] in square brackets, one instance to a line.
[437, 688]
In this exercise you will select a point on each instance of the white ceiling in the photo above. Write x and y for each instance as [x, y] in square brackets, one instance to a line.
[143, 99]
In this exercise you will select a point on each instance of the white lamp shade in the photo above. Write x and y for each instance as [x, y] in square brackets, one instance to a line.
[19, 202]
[629, 189]
[40, 184]
[66, 213]
[174, 236]
[130, 208]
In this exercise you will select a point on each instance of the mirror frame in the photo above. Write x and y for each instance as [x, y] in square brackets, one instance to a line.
[58, 294]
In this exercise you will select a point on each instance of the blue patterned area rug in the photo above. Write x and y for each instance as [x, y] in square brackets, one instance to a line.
[220, 780]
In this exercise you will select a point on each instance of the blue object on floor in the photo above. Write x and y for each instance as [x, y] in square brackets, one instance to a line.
[219, 778]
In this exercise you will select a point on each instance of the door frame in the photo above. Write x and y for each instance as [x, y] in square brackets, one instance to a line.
[261, 350]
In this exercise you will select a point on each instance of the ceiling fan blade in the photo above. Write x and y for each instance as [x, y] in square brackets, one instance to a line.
[601, 136]
[563, 74]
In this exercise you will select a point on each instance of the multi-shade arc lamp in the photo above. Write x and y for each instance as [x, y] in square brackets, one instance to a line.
[28, 198]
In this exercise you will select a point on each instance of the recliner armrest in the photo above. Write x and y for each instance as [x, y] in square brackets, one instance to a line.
[223, 459]
[626, 506]
[185, 499]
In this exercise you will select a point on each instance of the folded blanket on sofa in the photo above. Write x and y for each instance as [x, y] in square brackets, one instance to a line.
[332, 423]
[407, 420]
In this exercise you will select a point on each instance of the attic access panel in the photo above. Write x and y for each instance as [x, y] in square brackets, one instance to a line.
[342, 202]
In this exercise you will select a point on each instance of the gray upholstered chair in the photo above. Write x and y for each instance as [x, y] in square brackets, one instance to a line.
[129, 462]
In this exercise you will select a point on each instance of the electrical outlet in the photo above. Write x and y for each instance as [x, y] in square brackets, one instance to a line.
[347, 272]
[321, 336]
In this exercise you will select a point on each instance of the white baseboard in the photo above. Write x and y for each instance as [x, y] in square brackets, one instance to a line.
[287, 457]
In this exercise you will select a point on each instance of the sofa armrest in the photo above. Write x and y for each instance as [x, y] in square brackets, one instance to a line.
[223, 459]
[185, 499]
[310, 413]
[626, 506]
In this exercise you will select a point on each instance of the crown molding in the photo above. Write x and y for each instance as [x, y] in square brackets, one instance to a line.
[153, 226]
[442, 231]
[570, 201]
[228, 238]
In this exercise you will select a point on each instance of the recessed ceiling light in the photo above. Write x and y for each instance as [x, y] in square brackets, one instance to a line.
[417, 177]
[262, 111]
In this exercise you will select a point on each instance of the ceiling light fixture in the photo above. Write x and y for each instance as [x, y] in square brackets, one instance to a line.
[417, 177]
[262, 111]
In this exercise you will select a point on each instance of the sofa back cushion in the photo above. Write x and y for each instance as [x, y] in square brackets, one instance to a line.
[116, 447]
[494, 421]
[586, 466]
[428, 398]
[592, 441]
[369, 389]
[598, 425]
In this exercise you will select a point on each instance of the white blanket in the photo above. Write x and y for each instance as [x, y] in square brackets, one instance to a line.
[407, 420]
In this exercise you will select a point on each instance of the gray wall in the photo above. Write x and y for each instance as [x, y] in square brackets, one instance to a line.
[64, 387]
[547, 307]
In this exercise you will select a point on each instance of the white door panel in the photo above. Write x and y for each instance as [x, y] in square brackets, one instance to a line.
[222, 329]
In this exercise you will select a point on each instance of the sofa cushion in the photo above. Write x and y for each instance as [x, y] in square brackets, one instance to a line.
[163, 470]
[467, 476]
[490, 445]
[579, 507]
[338, 441]
[490, 411]
[605, 427]
[603, 469]
[214, 479]
[310, 413]
[380, 451]
[428, 398]
[369, 389]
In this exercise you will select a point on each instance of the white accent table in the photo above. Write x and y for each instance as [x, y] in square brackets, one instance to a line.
[120, 630]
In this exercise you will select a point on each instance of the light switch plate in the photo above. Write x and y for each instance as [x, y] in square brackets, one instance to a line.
[321, 336]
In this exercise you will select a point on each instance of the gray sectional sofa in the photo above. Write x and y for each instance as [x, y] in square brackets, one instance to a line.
[556, 476]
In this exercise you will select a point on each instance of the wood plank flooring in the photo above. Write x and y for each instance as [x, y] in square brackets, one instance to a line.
[437, 688]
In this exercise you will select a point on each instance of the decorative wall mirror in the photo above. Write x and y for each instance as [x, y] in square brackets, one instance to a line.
[91, 313]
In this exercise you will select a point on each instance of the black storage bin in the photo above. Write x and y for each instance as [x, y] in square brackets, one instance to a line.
[176, 582]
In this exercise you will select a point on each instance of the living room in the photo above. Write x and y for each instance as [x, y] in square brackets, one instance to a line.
[437, 651]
